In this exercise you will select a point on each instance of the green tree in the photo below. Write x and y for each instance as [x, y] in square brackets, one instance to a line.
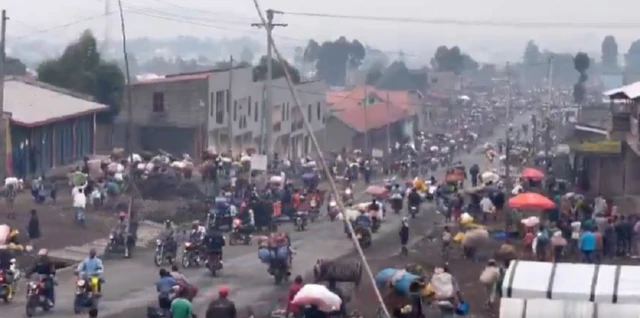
[80, 68]
[333, 57]
[610, 54]
[14, 66]
[451, 60]
[260, 70]
[581, 63]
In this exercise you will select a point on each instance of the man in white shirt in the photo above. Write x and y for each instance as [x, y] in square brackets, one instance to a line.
[79, 202]
[487, 208]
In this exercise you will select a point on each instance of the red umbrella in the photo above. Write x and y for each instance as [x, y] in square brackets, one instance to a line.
[531, 201]
[533, 174]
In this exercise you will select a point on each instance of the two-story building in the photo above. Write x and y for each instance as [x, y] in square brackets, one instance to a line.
[221, 109]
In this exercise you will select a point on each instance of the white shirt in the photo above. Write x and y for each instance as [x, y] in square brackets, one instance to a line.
[486, 205]
[79, 198]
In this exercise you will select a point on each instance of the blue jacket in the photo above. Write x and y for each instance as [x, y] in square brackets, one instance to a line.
[164, 286]
[363, 220]
[91, 266]
[588, 242]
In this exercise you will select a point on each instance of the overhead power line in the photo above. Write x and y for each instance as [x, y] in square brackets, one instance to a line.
[65, 25]
[486, 23]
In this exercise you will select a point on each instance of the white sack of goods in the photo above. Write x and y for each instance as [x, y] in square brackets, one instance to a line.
[475, 238]
[178, 165]
[245, 159]
[442, 284]
[134, 158]
[140, 166]
[531, 221]
[11, 181]
[116, 153]
[338, 271]
[119, 168]
[112, 167]
[149, 167]
[349, 214]
[118, 176]
[317, 295]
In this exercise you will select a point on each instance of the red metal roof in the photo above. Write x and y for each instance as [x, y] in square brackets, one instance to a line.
[350, 110]
[174, 78]
[373, 116]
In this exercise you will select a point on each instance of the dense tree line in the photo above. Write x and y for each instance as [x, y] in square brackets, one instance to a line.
[80, 68]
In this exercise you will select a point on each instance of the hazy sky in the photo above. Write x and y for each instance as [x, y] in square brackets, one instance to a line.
[216, 18]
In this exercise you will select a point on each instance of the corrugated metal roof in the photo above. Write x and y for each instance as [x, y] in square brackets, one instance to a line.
[631, 91]
[173, 79]
[32, 104]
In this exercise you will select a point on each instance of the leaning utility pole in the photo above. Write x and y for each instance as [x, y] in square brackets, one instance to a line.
[3, 136]
[546, 120]
[269, 96]
[230, 109]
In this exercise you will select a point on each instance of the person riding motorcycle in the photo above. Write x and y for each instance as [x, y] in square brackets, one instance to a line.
[396, 197]
[120, 230]
[8, 266]
[197, 232]
[45, 268]
[214, 242]
[168, 238]
[92, 266]
[363, 220]
[414, 198]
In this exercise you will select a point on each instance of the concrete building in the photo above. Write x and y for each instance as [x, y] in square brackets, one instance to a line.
[359, 118]
[187, 113]
[46, 127]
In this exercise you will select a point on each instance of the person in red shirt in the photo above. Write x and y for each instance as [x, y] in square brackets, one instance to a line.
[293, 290]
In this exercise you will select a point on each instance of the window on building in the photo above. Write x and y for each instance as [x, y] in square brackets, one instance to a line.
[283, 112]
[249, 107]
[228, 101]
[255, 113]
[288, 112]
[158, 102]
[319, 111]
[309, 118]
[235, 110]
[211, 104]
[220, 107]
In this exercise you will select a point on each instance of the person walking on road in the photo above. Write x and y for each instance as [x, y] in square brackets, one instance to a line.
[404, 236]
[181, 307]
[222, 307]
[33, 227]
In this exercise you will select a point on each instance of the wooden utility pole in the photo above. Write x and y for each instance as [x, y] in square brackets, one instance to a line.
[5, 123]
[268, 149]
[507, 141]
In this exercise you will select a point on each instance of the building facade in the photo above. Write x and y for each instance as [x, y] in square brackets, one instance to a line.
[188, 113]
[243, 116]
[46, 127]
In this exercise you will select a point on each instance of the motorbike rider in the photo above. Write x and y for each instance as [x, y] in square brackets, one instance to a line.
[168, 238]
[214, 242]
[8, 265]
[47, 271]
[363, 220]
[92, 266]
[414, 198]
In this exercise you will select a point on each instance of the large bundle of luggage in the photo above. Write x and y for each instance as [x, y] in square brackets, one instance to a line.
[338, 271]
[276, 247]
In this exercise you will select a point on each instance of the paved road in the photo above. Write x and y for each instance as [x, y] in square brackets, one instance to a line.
[129, 287]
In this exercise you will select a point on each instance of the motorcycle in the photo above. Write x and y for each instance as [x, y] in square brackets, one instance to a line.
[118, 244]
[347, 196]
[86, 294]
[314, 210]
[300, 220]
[36, 298]
[279, 271]
[375, 224]
[238, 235]
[413, 210]
[333, 210]
[364, 236]
[191, 255]
[396, 203]
[213, 263]
[7, 289]
[162, 254]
